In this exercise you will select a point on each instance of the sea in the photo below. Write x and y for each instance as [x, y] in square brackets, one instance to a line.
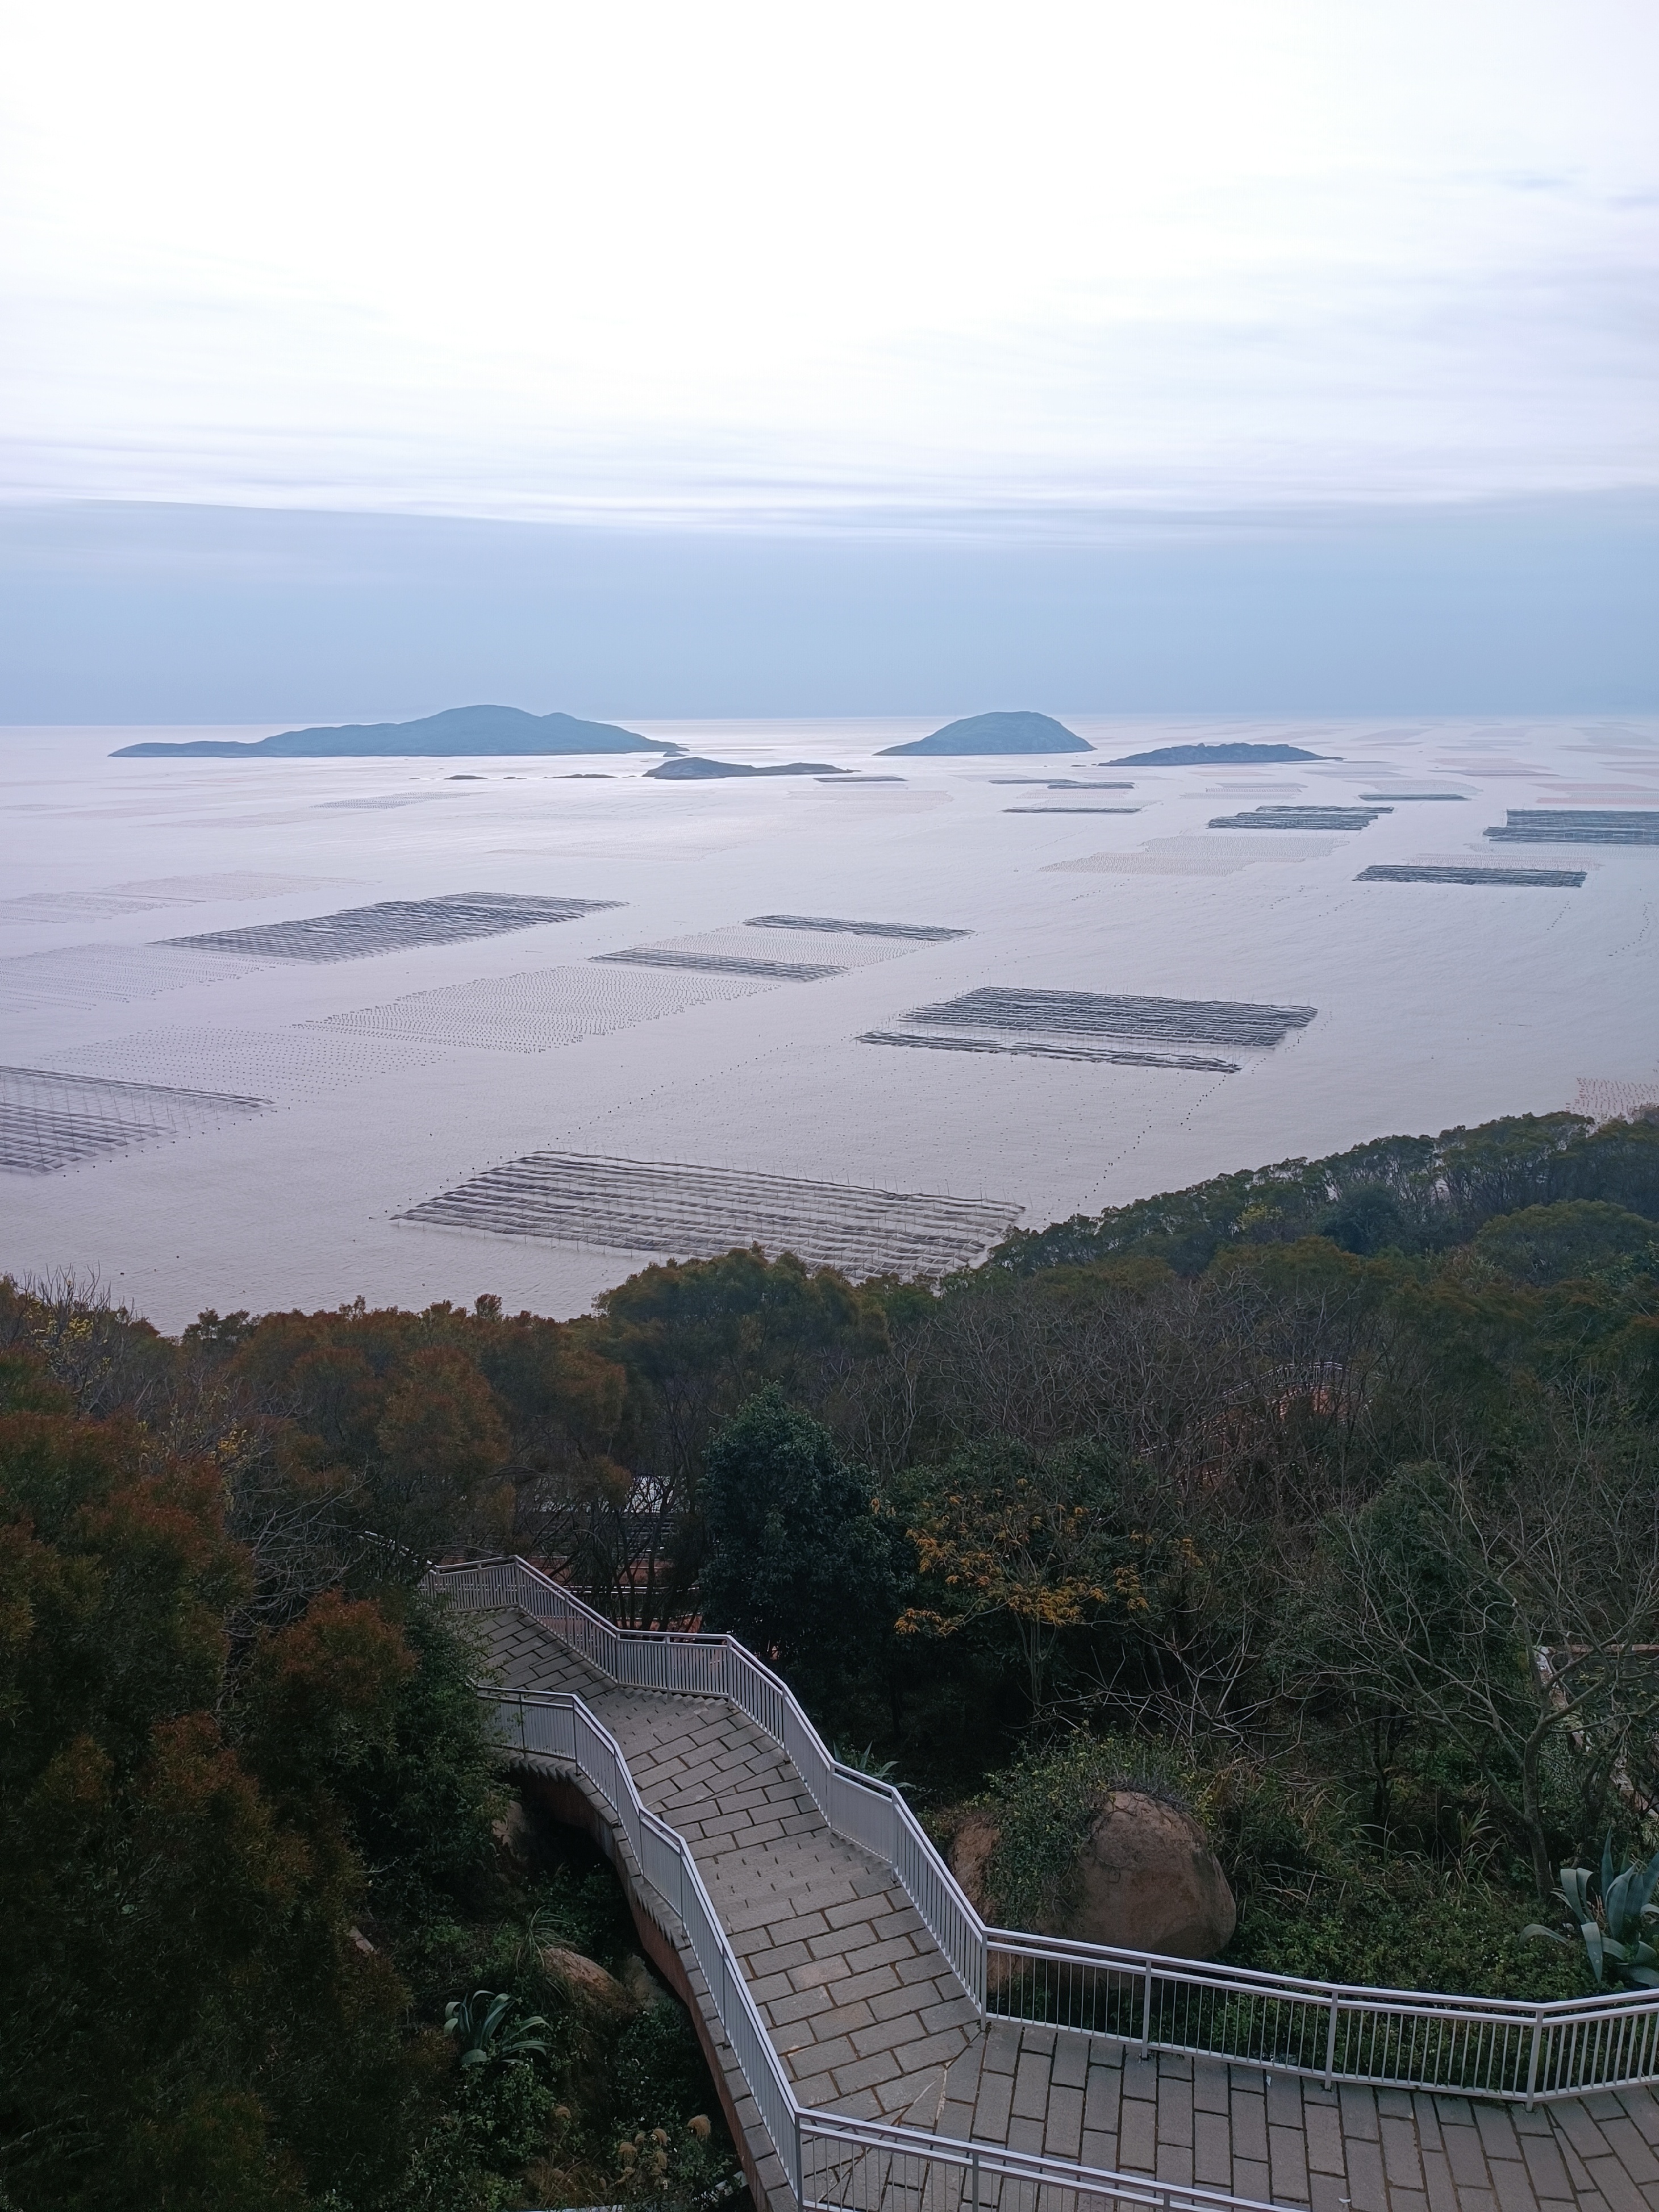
[286, 1033]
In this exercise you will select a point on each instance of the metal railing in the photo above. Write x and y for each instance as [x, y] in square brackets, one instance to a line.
[1395, 2039]
[833, 2163]
[1403, 2038]
[867, 1812]
[864, 2165]
[561, 1727]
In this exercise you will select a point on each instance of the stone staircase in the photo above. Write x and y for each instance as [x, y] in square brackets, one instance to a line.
[870, 2019]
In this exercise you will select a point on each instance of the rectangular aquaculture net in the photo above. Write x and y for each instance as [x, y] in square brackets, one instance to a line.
[691, 1212]
[920, 933]
[141, 897]
[356, 932]
[720, 963]
[1578, 825]
[1034, 1050]
[790, 948]
[104, 974]
[299, 1062]
[1609, 1098]
[541, 1008]
[1300, 817]
[1545, 878]
[73, 906]
[1197, 856]
[232, 883]
[50, 1119]
[1090, 1013]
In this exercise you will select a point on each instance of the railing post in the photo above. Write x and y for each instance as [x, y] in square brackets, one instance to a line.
[1407, 2042]
[974, 2163]
[801, 2193]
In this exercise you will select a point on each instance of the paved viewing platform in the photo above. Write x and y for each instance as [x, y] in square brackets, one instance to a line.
[871, 2020]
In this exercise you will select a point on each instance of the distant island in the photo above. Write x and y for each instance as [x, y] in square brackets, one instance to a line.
[998, 733]
[689, 768]
[1215, 755]
[458, 733]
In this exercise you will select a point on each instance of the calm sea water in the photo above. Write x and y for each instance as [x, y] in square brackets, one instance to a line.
[236, 1128]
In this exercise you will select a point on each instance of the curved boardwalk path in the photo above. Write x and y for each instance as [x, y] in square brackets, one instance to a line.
[870, 2019]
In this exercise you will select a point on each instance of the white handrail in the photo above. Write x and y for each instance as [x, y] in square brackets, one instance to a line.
[1496, 2047]
[833, 2163]
[561, 1727]
[867, 1812]
[867, 2166]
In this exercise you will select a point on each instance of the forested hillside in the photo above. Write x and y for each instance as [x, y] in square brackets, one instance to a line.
[1322, 1499]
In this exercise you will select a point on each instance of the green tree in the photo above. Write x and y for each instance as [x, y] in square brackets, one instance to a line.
[1511, 1618]
[1546, 1244]
[182, 2020]
[799, 1563]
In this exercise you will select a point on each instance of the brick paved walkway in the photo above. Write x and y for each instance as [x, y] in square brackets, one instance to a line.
[871, 2020]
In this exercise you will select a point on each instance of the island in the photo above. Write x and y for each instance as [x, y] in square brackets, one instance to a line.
[689, 768]
[998, 733]
[1229, 755]
[458, 733]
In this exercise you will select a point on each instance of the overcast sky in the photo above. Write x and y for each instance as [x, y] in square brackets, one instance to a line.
[1023, 263]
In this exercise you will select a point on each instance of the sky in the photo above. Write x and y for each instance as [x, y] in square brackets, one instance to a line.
[1047, 279]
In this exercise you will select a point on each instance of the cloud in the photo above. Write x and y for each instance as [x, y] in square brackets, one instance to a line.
[654, 264]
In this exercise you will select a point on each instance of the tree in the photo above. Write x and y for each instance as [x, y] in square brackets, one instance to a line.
[1032, 1537]
[365, 1713]
[1580, 1236]
[442, 1446]
[1513, 1618]
[182, 2022]
[799, 1563]
[192, 1823]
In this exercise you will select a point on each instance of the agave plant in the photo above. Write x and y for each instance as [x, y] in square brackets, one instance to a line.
[481, 2025]
[864, 1762]
[1614, 1922]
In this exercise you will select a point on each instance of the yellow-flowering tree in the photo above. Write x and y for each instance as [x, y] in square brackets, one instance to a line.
[1038, 1538]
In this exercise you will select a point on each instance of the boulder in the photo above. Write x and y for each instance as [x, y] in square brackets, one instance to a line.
[515, 1841]
[975, 1838]
[643, 1989]
[1145, 1879]
[594, 1989]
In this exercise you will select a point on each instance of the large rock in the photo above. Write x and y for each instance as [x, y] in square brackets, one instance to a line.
[973, 1839]
[1149, 1881]
[516, 1848]
[1145, 1879]
[593, 1989]
[642, 1985]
